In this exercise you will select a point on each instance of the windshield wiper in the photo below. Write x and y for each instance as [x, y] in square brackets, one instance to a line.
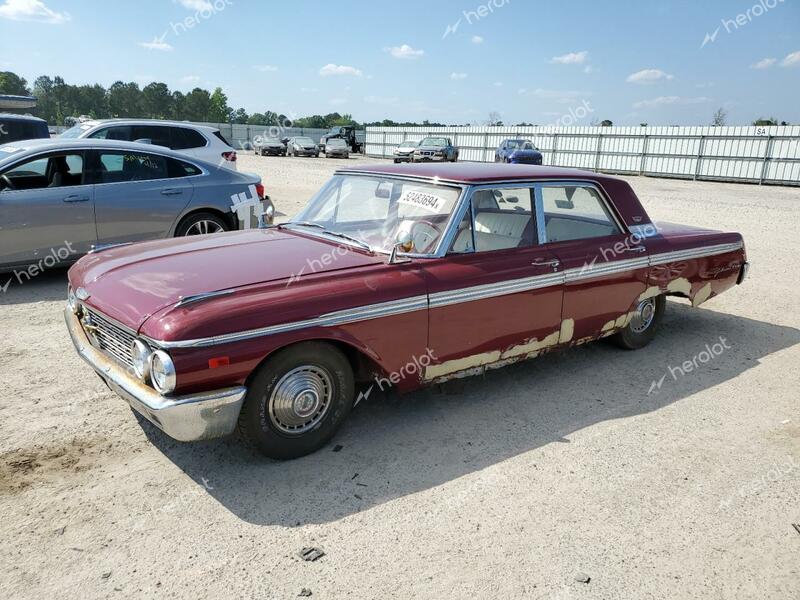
[303, 223]
[361, 243]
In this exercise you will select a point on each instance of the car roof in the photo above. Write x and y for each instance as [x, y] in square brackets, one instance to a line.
[26, 147]
[123, 121]
[17, 117]
[476, 173]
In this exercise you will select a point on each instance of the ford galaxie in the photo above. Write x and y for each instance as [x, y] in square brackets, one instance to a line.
[408, 274]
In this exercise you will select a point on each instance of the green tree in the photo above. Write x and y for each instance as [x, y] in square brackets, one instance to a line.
[157, 101]
[762, 122]
[219, 111]
[125, 99]
[13, 84]
[239, 116]
[196, 105]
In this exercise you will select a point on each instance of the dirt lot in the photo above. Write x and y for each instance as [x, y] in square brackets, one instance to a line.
[516, 485]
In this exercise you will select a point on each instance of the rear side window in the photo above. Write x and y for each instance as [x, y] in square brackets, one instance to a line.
[575, 213]
[179, 168]
[13, 130]
[119, 132]
[184, 138]
[221, 138]
[116, 167]
[157, 134]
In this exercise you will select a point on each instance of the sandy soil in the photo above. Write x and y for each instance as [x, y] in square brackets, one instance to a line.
[514, 485]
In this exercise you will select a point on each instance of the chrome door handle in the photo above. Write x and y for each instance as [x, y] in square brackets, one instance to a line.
[636, 249]
[555, 263]
[171, 192]
[76, 198]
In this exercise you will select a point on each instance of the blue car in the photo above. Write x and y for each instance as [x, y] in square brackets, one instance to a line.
[518, 152]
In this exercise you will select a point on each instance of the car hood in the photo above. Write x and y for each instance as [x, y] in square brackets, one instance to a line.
[131, 283]
[430, 147]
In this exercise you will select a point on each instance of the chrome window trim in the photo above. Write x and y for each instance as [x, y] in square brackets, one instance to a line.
[440, 299]
[604, 199]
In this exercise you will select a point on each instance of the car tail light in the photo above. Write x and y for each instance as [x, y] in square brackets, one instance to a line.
[229, 156]
[260, 190]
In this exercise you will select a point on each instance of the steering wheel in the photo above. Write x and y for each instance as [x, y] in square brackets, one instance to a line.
[4, 179]
[428, 237]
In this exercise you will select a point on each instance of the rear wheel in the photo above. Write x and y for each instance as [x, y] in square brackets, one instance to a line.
[297, 400]
[643, 325]
[201, 224]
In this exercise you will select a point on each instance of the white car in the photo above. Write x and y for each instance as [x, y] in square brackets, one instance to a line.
[198, 141]
[405, 151]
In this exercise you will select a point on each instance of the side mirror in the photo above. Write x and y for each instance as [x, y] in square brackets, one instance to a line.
[383, 190]
[403, 243]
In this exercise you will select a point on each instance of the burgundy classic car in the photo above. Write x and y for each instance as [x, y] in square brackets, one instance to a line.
[393, 275]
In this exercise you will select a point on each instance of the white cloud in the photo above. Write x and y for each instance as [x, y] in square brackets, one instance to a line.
[332, 69]
[649, 76]
[498, 84]
[572, 58]
[32, 10]
[190, 79]
[765, 63]
[265, 68]
[588, 69]
[307, 90]
[196, 5]
[791, 60]
[404, 51]
[476, 39]
[158, 43]
[456, 76]
[669, 100]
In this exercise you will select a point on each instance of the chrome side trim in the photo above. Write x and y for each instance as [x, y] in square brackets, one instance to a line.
[184, 300]
[667, 257]
[341, 317]
[440, 299]
[97, 248]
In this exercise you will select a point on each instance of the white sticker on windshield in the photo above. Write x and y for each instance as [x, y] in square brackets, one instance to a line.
[428, 202]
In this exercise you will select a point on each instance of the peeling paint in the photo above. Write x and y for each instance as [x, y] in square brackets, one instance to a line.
[608, 326]
[623, 320]
[650, 292]
[567, 331]
[681, 285]
[702, 295]
[461, 364]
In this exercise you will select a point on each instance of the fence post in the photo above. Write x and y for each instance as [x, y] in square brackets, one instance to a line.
[767, 157]
[383, 145]
[700, 151]
[555, 149]
[485, 146]
[597, 152]
[644, 153]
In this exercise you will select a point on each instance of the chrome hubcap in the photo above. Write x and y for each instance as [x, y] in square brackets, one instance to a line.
[644, 315]
[204, 227]
[301, 399]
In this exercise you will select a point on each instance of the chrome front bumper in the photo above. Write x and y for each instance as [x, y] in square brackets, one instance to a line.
[185, 418]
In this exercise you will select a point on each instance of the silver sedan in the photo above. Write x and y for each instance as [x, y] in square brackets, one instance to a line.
[59, 198]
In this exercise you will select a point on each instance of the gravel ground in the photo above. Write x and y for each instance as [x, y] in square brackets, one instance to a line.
[523, 483]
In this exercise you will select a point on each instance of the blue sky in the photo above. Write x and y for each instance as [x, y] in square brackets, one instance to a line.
[535, 61]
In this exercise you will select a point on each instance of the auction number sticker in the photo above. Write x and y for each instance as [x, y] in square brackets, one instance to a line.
[423, 200]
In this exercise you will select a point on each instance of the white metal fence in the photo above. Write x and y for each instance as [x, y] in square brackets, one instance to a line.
[744, 154]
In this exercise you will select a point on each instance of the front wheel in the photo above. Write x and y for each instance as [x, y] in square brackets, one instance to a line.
[297, 400]
[644, 324]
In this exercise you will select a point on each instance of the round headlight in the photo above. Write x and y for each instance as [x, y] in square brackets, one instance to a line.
[162, 372]
[140, 353]
[72, 302]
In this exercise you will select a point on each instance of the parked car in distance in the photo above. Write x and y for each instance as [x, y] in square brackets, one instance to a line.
[337, 147]
[347, 133]
[14, 128]
[198, 141]
[86, 192]
[422, 273]
[405, 150]
[301, 146]
[435, 149]
[269, 147]
[518, 151]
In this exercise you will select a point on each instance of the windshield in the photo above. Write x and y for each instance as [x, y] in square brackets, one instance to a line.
[520, 145]
[433, 142]
[409, 144]
[337, 142]
[374, 210]
[76, 131]
[274, 141]
[304, 141]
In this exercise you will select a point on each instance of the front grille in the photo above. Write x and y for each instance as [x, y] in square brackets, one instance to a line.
[109, 337]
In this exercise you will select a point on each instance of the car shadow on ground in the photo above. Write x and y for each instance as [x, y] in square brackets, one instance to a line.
[19, 287]
[394, 446]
